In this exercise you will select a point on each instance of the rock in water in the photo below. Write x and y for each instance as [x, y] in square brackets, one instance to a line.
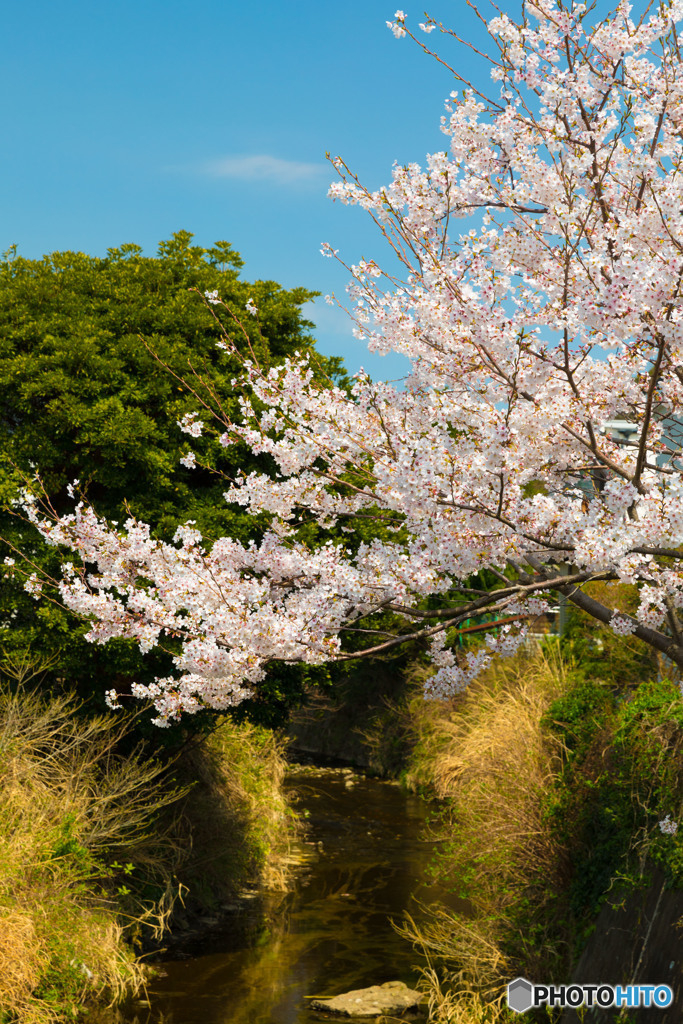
[393, 997]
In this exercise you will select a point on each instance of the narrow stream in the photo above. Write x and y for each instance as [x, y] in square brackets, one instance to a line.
[363, 861]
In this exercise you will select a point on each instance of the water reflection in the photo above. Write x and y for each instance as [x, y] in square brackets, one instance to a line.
[361, 863]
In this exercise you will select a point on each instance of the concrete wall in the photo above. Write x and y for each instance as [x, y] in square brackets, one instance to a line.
[641, 942]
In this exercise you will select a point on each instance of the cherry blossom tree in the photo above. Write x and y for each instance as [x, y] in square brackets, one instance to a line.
[538, 299]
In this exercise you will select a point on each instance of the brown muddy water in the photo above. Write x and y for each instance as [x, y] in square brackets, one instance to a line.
[363, 862]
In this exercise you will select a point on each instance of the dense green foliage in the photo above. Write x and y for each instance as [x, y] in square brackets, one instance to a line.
[94, 354]
[621, 728]
[622, 776]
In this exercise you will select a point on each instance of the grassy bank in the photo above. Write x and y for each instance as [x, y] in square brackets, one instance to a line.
[553, 772]
[98, 850]
[485, 757]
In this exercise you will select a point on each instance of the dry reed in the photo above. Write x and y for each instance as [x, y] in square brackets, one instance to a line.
[86, 831]
[487, 756]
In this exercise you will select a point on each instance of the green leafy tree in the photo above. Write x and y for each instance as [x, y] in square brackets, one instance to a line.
[94, 353]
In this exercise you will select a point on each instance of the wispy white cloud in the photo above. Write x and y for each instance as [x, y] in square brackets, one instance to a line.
[330, 319]
[262, 167]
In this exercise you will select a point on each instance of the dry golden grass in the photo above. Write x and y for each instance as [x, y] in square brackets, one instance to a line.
[64, 796]
[488, 757]
[22, 962]
[84, 831]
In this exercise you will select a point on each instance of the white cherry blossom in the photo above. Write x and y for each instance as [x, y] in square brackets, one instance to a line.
[540, 301]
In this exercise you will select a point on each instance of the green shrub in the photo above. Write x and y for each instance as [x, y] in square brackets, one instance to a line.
[622, 775]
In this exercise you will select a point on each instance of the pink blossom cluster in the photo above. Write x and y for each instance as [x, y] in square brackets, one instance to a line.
[541, 300]
[668, 827]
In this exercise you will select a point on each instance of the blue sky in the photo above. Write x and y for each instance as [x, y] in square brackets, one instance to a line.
[126, 121]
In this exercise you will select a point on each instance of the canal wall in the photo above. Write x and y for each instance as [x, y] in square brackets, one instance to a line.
[363, 720]
[637, 942]
[330, 731]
